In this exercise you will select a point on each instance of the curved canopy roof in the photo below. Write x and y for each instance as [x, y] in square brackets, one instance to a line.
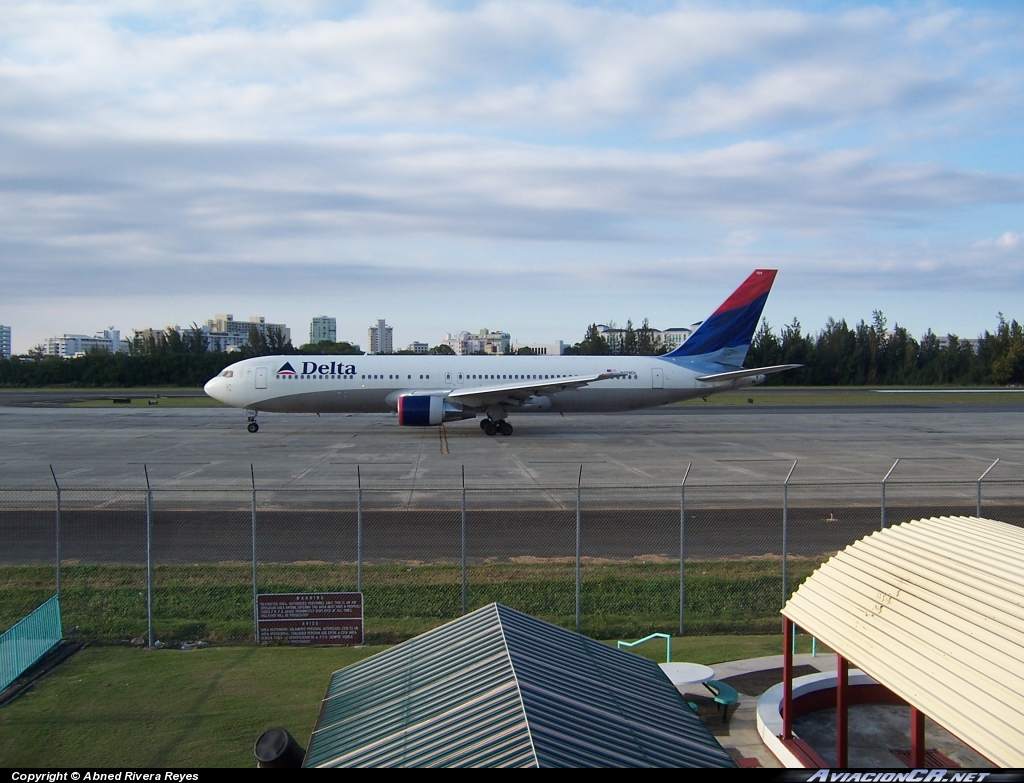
[934, 610]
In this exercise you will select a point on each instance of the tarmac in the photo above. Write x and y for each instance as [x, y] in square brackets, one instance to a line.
[207, 448]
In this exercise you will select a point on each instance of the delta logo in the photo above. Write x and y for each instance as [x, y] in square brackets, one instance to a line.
[313, 368]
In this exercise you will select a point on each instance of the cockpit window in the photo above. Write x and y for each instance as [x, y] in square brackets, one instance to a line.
[227, 374]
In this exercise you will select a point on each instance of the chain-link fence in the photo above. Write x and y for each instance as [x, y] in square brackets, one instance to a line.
[179, 564]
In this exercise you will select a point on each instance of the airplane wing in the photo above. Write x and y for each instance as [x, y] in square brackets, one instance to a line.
[732, 375]
[517, 393]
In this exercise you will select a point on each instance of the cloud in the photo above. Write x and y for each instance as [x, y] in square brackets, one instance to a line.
[589, 144]
[526, 65]
[1010, 240]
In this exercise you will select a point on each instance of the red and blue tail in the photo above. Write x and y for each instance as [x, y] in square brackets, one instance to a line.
[725, 336]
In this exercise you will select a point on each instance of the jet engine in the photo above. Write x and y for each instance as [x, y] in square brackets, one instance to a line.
[421, 410]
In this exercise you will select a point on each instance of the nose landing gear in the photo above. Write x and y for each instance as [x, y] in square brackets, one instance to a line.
[251, 418]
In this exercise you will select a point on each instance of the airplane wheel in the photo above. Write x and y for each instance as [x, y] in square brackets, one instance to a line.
[490, 429]
[504, 428]
[253, 427]
[483, 423]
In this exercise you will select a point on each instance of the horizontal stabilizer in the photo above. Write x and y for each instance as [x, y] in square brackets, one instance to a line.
[732, 375]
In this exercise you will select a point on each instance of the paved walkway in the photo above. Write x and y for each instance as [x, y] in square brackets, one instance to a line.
[739, 736]
[874, 729]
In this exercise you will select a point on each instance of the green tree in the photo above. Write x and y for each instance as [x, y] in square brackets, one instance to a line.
[1007, 364]
[630, 344]
[765, 349]
[331, 348]
[796, 349]
[593, 343]
[832, 354]
[648, 343]
[195, 340]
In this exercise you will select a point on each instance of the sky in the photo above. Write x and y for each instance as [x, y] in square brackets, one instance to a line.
[529, 166]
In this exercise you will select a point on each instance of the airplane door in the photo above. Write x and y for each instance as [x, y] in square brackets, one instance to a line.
[261, 377]
[460, 378]
[657, 379]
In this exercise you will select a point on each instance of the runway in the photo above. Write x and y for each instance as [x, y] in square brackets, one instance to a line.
[209, 448]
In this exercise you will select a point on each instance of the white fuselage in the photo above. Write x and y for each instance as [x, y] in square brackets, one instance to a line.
[372, 383]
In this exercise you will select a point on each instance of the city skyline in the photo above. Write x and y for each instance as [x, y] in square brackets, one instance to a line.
[532, 167]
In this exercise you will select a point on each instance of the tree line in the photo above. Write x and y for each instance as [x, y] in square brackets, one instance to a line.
[841, 355]
[838, 355]
[630, 341]
[872, 354]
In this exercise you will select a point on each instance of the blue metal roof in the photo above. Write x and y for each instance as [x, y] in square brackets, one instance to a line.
[501, 688]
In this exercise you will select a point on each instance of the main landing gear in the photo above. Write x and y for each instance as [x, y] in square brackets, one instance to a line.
[251, 418]
[492, 427]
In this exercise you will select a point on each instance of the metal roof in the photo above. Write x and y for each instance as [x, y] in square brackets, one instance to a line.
[934, 610]
[501, 688]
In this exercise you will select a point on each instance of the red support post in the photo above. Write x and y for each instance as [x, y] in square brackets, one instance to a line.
[787, 678]
[916, 738]
[842, 711]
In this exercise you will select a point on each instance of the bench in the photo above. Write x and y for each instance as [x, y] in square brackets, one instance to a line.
[725, 695]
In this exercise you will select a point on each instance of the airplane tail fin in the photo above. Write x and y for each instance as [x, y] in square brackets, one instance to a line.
[725, 336]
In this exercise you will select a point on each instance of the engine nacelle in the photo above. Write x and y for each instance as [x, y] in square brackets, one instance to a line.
[423, 410]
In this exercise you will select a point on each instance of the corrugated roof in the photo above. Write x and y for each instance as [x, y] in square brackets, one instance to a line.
[933, 610]
[501, 688]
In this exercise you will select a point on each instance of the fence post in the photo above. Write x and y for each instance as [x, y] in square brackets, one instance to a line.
[255, 581]
[579, 484]
[785, 534]
[464, 587]
[359, 530]
[897, 462]
[682, 549]
[980, 478]
[465, 595]
[149, 557]
[57, 525]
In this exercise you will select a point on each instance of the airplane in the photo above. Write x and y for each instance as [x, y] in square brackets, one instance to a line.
[430, 390]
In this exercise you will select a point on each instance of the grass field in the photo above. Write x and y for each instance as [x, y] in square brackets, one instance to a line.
[213, 603]
[119, 706]
[859, 395]
[166, 399]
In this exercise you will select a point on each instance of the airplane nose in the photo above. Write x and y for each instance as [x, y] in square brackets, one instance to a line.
[211, 387]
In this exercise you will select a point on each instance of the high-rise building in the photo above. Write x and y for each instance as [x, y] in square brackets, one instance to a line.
[68, 346]
[380, 338]
[323, 327]
[484, 341]
[224, 333]
[5, 342]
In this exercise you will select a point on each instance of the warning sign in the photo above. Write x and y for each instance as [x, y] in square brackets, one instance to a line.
[310, 618]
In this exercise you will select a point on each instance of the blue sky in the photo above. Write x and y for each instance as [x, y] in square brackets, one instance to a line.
[525, 166]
